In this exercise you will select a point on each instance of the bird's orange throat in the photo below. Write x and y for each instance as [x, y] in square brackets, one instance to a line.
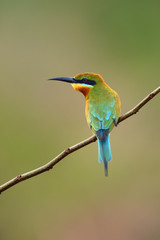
[83, 89]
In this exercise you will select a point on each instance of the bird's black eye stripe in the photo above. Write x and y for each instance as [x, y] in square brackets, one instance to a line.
[86, 81]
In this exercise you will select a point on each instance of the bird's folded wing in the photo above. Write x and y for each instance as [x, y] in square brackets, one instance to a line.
[102, 115]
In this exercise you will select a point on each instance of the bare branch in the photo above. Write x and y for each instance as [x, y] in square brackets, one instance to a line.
[74, 148]
[139, 105]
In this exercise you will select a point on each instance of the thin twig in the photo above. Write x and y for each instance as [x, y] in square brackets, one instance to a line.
[139, 105]
[74, 148]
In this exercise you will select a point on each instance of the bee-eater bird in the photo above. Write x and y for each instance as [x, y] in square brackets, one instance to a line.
[102, 109]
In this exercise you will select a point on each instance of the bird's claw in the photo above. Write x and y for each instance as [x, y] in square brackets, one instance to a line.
[115, 123]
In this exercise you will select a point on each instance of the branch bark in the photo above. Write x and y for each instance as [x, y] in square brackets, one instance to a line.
[74, 148]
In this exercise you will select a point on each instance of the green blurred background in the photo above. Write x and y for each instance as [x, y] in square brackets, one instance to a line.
[44, 39]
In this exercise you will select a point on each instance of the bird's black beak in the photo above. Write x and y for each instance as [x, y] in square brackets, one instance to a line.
[73, 80]
[64, 79]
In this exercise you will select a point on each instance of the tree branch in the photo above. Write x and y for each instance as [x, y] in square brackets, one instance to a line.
[74, 148]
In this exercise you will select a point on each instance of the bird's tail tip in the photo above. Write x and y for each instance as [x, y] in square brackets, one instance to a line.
[106, 169]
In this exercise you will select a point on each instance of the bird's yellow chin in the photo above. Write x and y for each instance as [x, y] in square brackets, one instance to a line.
[81, 88]
[76, 86]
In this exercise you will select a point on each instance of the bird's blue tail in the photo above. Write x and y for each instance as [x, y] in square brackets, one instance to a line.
[104, 151]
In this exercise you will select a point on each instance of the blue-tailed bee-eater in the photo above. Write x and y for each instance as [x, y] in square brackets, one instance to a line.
[102, 109]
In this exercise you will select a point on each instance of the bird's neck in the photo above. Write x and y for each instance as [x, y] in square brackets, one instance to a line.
[83, 89]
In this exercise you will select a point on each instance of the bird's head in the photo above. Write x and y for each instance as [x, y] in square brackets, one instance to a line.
[82, 82]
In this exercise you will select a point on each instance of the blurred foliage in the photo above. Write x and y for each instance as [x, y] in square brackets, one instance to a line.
[43, 39]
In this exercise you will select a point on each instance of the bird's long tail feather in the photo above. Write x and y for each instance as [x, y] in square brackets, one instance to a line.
[104, 151]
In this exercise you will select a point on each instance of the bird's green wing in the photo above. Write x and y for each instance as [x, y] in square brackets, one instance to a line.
[102, 114]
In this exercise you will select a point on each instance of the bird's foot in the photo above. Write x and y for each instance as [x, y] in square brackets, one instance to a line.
[115, 122]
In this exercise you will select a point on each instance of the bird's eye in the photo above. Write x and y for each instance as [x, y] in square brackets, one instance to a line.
[84, 80]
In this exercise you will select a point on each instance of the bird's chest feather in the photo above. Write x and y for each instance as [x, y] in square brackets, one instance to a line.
[100, 109]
